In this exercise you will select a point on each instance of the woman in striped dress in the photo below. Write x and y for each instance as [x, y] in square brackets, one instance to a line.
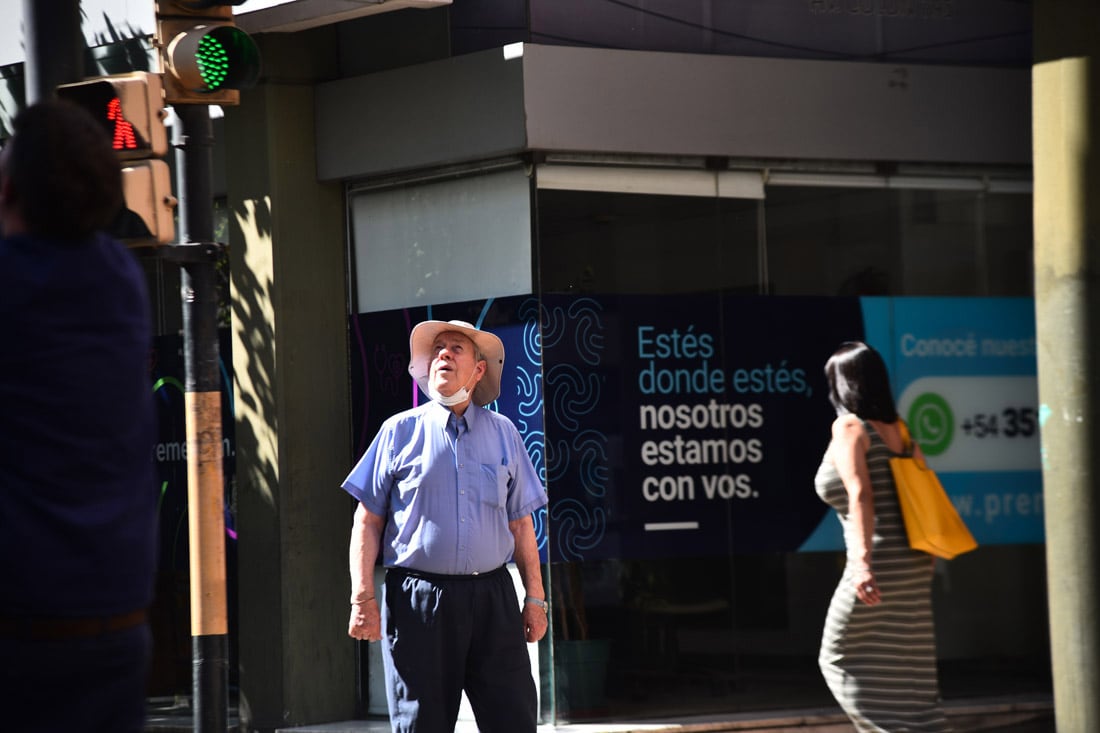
[878, 650]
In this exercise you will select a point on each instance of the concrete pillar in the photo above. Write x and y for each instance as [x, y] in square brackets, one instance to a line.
[287, 254]
[1066, 130]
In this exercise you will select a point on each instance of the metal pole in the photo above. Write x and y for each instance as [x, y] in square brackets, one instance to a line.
[194, 139]
[1066, 132]
[54, 45]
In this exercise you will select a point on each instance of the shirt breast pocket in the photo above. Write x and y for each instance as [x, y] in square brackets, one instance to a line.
[408, 483]
[496, 478]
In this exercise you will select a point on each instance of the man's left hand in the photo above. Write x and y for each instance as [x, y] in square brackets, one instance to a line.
[534, 622]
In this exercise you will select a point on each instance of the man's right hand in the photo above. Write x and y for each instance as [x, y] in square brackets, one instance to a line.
[365, 623]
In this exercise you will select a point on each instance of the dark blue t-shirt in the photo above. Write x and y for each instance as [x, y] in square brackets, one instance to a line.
[77, 429]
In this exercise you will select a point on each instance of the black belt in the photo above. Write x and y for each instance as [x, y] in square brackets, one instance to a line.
[439, 578]
[58, 629]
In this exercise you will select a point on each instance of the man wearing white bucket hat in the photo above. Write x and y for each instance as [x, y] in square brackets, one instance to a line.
[446, 492]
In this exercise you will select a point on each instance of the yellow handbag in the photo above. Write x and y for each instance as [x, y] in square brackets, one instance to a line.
[931, 521]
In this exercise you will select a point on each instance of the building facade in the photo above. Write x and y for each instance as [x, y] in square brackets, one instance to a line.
[672, 213]
[591, 181]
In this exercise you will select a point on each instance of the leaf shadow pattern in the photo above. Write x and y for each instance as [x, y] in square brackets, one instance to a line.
[119, 48]
[253, 294]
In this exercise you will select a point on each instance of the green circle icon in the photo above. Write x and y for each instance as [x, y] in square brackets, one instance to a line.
[931, 423]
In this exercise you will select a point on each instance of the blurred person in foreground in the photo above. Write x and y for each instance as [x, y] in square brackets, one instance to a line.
[878, 650]
[77, 489]
[446, 491]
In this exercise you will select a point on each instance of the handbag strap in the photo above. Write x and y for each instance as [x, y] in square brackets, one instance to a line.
[906, 441]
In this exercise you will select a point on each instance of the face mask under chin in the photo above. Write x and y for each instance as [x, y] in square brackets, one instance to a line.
[456, 399]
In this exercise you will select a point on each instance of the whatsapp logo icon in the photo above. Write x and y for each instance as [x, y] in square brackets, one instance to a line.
[931, 423]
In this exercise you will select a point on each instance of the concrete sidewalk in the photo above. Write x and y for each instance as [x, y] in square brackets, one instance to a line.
[993, 715]
[1004, 714]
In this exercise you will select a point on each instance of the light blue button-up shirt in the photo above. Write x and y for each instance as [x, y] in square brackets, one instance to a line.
[447, 486]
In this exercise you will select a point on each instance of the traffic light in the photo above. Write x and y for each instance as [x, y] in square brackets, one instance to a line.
[206, 58]
[130, 107]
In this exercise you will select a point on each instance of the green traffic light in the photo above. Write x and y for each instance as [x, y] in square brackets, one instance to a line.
[213, 62]
[228, 58]
[209, 59]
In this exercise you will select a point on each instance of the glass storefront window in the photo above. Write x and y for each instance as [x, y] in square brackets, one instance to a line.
[632, 243]
[852, 241]
[684, 584]
[697, 631]
[816, 240]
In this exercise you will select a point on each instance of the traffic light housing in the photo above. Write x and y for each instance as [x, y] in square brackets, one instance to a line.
[206, 58]
[130, 107]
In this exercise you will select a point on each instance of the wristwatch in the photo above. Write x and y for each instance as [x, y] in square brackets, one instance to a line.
[538, 602]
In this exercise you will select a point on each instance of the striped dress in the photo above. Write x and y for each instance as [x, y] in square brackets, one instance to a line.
[880, 661]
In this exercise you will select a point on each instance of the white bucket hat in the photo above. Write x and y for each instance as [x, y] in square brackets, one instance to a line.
[423, 338]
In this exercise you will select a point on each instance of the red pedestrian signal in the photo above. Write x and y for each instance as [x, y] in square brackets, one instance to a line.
[130, 107]
[124, 137]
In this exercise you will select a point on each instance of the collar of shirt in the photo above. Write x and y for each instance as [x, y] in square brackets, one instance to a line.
[456, 425]
[445, 418]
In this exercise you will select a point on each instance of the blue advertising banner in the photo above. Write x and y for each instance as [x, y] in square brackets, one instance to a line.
[708, 413]
[693, 425]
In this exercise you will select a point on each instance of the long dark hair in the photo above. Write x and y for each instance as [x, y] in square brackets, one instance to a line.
[859, 383]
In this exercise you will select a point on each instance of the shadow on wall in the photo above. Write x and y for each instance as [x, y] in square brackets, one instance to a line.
[254, 362]
[256, 410]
